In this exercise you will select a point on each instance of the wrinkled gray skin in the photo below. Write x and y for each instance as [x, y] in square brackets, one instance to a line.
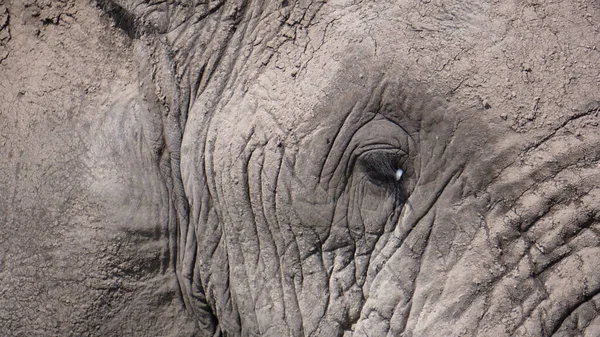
[249, 169]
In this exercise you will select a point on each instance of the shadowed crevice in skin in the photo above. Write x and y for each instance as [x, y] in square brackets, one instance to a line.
[589, 109]
[587, 298]
[121, 17]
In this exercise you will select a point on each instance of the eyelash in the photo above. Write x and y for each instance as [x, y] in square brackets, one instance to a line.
[384, 169]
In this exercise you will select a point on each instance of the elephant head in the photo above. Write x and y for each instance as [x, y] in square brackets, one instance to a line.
[404, 168]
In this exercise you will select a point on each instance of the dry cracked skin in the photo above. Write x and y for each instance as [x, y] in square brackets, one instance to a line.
[299, 168]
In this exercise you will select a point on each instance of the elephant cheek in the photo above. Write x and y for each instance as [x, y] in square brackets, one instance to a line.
[364, 208]
[314, 209]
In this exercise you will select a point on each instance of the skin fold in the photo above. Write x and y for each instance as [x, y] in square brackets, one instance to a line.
[405, 168]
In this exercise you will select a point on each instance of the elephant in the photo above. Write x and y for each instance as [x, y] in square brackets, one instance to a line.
[300, 168]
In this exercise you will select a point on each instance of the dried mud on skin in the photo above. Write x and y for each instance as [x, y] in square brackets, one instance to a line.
[68, 67]
[67, 268]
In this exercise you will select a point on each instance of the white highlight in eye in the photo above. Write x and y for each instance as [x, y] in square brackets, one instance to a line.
[398, 175]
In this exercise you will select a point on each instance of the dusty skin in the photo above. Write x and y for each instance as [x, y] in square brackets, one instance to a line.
[188, 168]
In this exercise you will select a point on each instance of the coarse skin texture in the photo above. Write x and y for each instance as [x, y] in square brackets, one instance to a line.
[228, 168]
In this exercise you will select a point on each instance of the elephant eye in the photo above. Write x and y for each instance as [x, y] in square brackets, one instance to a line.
[383, 168]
